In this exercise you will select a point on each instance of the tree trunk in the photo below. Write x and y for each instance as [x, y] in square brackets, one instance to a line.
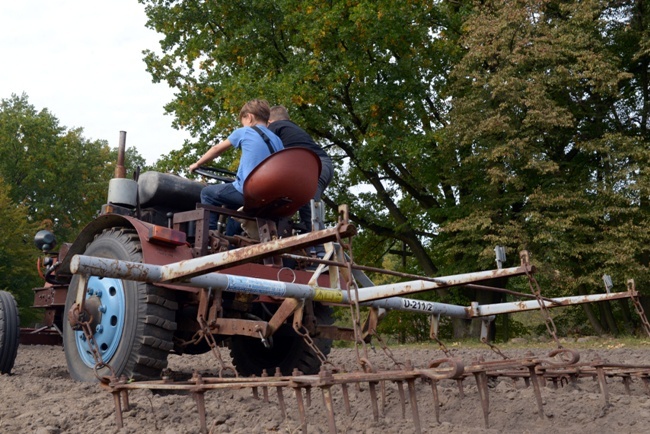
[627, 316]
[593, 319]
[606, 310]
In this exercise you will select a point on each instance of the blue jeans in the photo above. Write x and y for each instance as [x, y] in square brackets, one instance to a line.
[218, 195]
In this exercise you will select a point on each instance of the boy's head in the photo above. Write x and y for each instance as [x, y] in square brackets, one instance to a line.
[279, 113]
[259, 108]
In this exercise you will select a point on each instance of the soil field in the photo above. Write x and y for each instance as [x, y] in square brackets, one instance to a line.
[39, 397]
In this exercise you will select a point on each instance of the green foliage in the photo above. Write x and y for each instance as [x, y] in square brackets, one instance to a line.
[51, 178]
[59, 176]
[18, 273]
[546, 160]
[455, 126]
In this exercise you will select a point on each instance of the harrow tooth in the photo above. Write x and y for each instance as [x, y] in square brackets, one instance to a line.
[346, 398]
[199, 398]
[402, 398]
[536, 388]
[383, 397]
[482, 387]
[256, 394]
[125, 394]
[372, 387]
[265, 389]
[118, 409]
[626, 383]
[436, 399]
[414, 403]
[329, 405]
[301, 404]
[461, 392]
[283, 408]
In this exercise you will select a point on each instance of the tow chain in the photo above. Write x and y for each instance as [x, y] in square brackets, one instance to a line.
[638, 307]
[94, 349]
[355, 312]
[205, 333]
[441, 345]
[548, 320]
[302, 331]
[385, 348]
[494, 348]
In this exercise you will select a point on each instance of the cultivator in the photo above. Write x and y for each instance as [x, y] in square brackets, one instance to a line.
[152, 276]
[349, 286]
[560, 368]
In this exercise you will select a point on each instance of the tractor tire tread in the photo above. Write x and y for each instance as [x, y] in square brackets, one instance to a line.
[9, 332]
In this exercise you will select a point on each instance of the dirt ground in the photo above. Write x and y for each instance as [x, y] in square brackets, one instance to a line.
[40, 398]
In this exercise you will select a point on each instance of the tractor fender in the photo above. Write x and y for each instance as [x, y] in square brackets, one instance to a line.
[155, 253]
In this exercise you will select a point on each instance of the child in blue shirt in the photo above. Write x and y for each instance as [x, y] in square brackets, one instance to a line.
[254, 116]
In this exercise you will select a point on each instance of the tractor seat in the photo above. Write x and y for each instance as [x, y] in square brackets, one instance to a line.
[282, 183]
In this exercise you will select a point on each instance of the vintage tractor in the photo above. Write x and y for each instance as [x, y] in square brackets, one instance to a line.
[148, 278]
[157, 219]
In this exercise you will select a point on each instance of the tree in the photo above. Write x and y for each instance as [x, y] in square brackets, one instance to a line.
[455, 125]
[17, 253]
[547, 161]
[338, 68]
[58, 175]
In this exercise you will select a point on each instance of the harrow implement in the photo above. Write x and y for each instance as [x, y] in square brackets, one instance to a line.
[349, 286]
[559, 369]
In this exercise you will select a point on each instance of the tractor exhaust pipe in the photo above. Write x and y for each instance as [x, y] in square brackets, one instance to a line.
[120, 170]
[122, 191]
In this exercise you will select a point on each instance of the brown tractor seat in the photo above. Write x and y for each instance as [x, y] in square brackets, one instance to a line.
[282, 183]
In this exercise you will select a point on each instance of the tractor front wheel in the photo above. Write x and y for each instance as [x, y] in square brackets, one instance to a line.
[132, 322]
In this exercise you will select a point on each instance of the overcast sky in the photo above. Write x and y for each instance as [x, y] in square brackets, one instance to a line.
[82, 60]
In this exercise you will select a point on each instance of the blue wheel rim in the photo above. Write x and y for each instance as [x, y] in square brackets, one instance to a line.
[108, 332]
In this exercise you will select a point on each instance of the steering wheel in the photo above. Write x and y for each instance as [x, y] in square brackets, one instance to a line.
[217, 173]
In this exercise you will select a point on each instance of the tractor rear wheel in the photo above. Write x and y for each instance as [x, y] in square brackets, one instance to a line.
[9, 332]
[288, 351]
[132, 322]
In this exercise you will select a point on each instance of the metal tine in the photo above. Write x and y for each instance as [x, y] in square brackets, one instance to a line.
[414, 399]
[646, 383]
[346, 398]
[301, 403]
[602, 382]
[308, 396]
[436, 399]
[626, 382]
[326, 380]
[199, 398]
[118, 410]
[461, 392]
[283, 408]
[481, 384]
[534, 378]
[383, 397]
[327, 399]
[372, 386]
[265, 389]
[256, 394]
[125, 394]
[402, 398]
[125, 399]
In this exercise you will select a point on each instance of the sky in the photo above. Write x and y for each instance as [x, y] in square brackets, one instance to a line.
[82, 60]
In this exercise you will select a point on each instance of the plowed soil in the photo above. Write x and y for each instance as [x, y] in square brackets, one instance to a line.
[39, 397]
